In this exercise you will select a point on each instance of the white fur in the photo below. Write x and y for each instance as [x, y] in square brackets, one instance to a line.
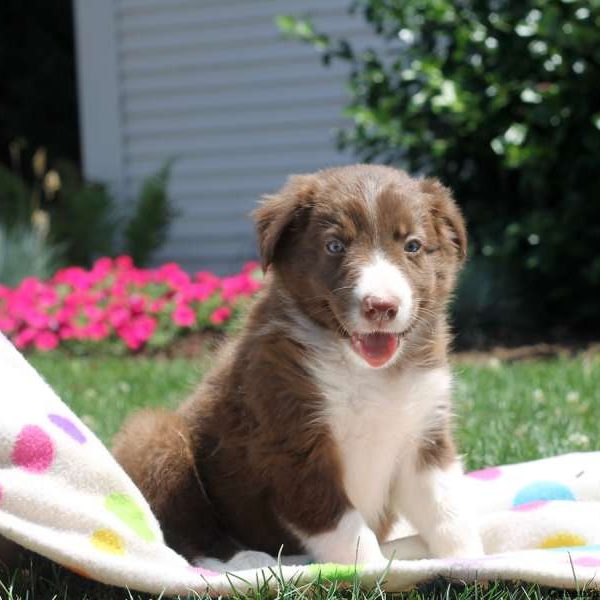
[380, 418]
[438, 507]
[383, 279]
[350, 542]
[371, 188]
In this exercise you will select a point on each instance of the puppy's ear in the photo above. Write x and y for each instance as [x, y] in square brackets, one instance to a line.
[278, 213]
[448, 221]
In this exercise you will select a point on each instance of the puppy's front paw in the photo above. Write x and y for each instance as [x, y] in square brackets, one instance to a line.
[463, 544]
[350, 542]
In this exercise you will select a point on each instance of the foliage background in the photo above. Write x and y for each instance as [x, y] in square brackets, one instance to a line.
[500, 100]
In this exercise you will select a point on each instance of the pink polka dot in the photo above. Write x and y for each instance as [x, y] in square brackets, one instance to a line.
[203, 572]
[587, 561]
[33, 450]
[486, 474]
[530, 505]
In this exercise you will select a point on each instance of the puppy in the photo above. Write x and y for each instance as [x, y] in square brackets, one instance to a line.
[329, 416]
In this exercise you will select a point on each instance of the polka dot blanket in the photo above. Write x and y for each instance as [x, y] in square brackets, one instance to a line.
[63, 496]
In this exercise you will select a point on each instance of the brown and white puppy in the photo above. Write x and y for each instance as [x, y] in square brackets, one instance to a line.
[329, 416]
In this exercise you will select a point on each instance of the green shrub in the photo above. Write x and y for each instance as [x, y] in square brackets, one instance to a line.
[148, 227]
[15, 199]
[24, 252]
[500, 100]
[82, 217]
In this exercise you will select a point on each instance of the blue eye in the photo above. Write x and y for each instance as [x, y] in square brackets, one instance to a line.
[335, 247]
[412, 246]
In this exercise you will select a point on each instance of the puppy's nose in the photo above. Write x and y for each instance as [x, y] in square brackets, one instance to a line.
[379, 309]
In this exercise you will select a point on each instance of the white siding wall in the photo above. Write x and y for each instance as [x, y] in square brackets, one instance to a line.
[213, 83]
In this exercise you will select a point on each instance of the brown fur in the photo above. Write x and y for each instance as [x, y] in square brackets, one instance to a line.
[245, 461]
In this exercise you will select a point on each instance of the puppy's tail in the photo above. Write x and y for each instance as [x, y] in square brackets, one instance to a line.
[156, 450]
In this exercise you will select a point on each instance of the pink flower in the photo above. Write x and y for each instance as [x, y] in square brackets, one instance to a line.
[137, 332]
[97, 331]
[116, 299]
[157, 306]
[67, 332]
[124, 263]
[45, 341]
[144, 327]
[118, 316]
[24, 338]
[250, 267]
[183, 316]
[93, 312]
[102, 269]
[239, 285]
[7, 324]
[74, 276]
[220, 315]
[174, 275]
[64, 314]
[207, 277]
[137, 304]
[35, 318]
[104, 264]
[196, 291]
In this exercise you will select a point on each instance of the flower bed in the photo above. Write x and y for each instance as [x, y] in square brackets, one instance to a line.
[120, 306]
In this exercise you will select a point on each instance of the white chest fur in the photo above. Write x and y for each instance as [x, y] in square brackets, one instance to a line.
[378, 421]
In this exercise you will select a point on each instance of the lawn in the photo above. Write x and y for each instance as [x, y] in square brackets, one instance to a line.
[505, 413]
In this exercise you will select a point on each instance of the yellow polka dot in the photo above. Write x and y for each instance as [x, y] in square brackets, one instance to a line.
[562, 539]
[108, 541]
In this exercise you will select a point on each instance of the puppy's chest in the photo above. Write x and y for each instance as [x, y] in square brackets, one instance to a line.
[377, 422]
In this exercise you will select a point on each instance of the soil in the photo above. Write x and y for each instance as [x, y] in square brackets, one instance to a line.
[533, 351]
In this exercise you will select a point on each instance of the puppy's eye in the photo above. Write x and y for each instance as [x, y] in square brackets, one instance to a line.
[335, 247]
[412, 246]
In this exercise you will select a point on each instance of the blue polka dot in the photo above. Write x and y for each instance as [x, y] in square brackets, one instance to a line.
[543, 490]
[592, 548]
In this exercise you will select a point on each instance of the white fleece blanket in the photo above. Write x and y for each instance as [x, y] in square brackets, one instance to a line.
[63, 496]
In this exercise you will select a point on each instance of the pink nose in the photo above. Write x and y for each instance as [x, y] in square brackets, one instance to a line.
[379, 309]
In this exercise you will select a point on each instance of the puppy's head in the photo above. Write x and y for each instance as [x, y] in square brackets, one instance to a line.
[365, 251]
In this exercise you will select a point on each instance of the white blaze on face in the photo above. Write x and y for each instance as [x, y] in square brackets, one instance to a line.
[382, 279]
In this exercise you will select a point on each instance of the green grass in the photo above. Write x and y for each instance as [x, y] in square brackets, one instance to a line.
[102, 391]
[505, 413]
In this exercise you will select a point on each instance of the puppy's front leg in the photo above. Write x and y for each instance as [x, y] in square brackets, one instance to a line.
[431, 497]
[314, 506]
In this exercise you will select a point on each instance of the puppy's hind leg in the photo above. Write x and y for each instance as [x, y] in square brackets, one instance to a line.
[156, 450]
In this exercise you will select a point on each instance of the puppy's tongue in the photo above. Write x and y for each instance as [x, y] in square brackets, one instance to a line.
[375, 348]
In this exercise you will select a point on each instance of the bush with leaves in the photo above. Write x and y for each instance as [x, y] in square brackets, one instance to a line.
[25, 252]
[82, 217]
[147, 229]
[79, 219]
[501, 100]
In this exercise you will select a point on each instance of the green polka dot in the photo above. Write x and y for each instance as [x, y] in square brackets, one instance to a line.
[335, 572]
[130, 513]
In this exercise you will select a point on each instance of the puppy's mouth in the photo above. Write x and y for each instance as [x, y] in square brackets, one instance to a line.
[375, 348]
